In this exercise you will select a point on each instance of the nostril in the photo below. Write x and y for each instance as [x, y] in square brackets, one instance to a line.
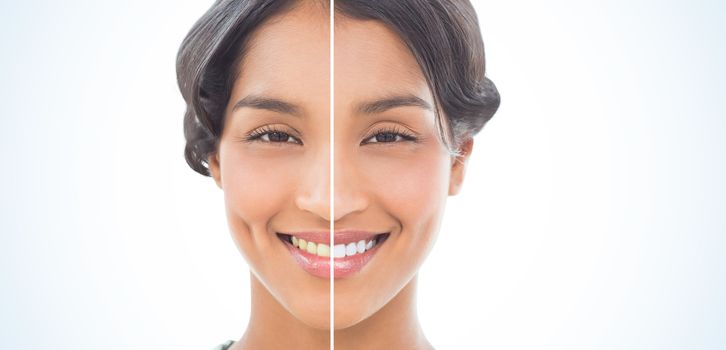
[318, 205]
[348, 204]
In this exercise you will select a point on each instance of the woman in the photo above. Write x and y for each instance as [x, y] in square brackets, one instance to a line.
[410, 93]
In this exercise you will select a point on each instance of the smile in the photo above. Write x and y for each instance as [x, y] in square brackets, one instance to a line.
[354, 249]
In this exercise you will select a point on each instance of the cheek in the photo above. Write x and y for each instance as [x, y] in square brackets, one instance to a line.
[409, 189]
[256, 187]
[412, 187]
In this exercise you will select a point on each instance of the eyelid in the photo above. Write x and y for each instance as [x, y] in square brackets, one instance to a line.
[256, 134]
[407, 134]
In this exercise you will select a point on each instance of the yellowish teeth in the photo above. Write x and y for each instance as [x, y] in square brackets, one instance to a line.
[340, 250]
[312, 248]
[302, 244]
[323, 250]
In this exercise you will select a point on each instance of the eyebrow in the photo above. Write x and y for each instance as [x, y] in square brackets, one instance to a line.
[384, 104]
[268, 103]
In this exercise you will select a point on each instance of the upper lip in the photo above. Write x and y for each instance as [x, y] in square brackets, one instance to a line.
[342, 236]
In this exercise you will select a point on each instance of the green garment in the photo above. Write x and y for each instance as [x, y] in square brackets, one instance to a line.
[224, 346]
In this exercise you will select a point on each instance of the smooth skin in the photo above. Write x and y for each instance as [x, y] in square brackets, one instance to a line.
[274, 187]
[273, 164]
[398, 187]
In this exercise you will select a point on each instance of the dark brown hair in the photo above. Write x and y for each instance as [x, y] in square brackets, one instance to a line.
[443, 36]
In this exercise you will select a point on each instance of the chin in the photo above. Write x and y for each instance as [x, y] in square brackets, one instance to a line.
[351, 310]
[319, 323]
[345, 320]
[313, 309]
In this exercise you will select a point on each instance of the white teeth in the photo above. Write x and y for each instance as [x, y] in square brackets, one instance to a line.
[361, 246]
[350, 249]
[339, 250]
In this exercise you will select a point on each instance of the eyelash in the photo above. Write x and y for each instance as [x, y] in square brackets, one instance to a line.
[399, 135]
[397, 132]
[258, 134]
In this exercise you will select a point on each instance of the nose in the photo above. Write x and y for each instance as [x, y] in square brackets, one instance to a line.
[349, 193]
[313, 193]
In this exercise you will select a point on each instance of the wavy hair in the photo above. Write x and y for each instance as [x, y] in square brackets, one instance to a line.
[443, 36]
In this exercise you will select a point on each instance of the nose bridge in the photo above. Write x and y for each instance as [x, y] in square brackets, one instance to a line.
[349, 196]
[313, 193]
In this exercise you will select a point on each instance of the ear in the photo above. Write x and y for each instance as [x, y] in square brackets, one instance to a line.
[458, 167]
[214, 169]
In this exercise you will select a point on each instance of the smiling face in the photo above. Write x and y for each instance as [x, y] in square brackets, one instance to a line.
[273, 161]
[392, 169]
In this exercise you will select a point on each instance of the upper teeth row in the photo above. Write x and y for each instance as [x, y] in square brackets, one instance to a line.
[339, 250]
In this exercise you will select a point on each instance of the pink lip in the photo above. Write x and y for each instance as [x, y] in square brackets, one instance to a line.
[342, 267]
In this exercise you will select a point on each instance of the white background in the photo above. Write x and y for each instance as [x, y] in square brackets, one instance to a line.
[592, 216]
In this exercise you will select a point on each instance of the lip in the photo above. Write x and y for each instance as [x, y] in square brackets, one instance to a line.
[342, 267]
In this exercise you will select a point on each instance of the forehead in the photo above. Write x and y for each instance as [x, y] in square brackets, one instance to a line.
[288, 54]
[372, 61]
[289, 57]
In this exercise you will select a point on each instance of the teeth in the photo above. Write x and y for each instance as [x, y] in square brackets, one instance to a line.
[361, 246]
[339, 250]
[323, 250]
[350, 249]
[312, 248]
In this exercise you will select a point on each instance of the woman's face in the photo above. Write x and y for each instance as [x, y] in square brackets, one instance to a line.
[274, 155]
[392, 171]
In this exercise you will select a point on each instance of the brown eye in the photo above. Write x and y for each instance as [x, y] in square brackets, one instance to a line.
[271, 135]
[387, 137]
[390, 136]
[276, 136]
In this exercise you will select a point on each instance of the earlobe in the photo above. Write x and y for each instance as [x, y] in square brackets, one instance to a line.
[213, 162]
[458, 167]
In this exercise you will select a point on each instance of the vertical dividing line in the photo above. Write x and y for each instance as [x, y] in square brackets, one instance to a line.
[332, 173]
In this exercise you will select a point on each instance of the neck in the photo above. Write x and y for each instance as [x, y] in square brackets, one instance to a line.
[271, 326]
[395, 326]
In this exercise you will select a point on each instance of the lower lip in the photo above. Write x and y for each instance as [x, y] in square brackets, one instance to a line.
[342, 267]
